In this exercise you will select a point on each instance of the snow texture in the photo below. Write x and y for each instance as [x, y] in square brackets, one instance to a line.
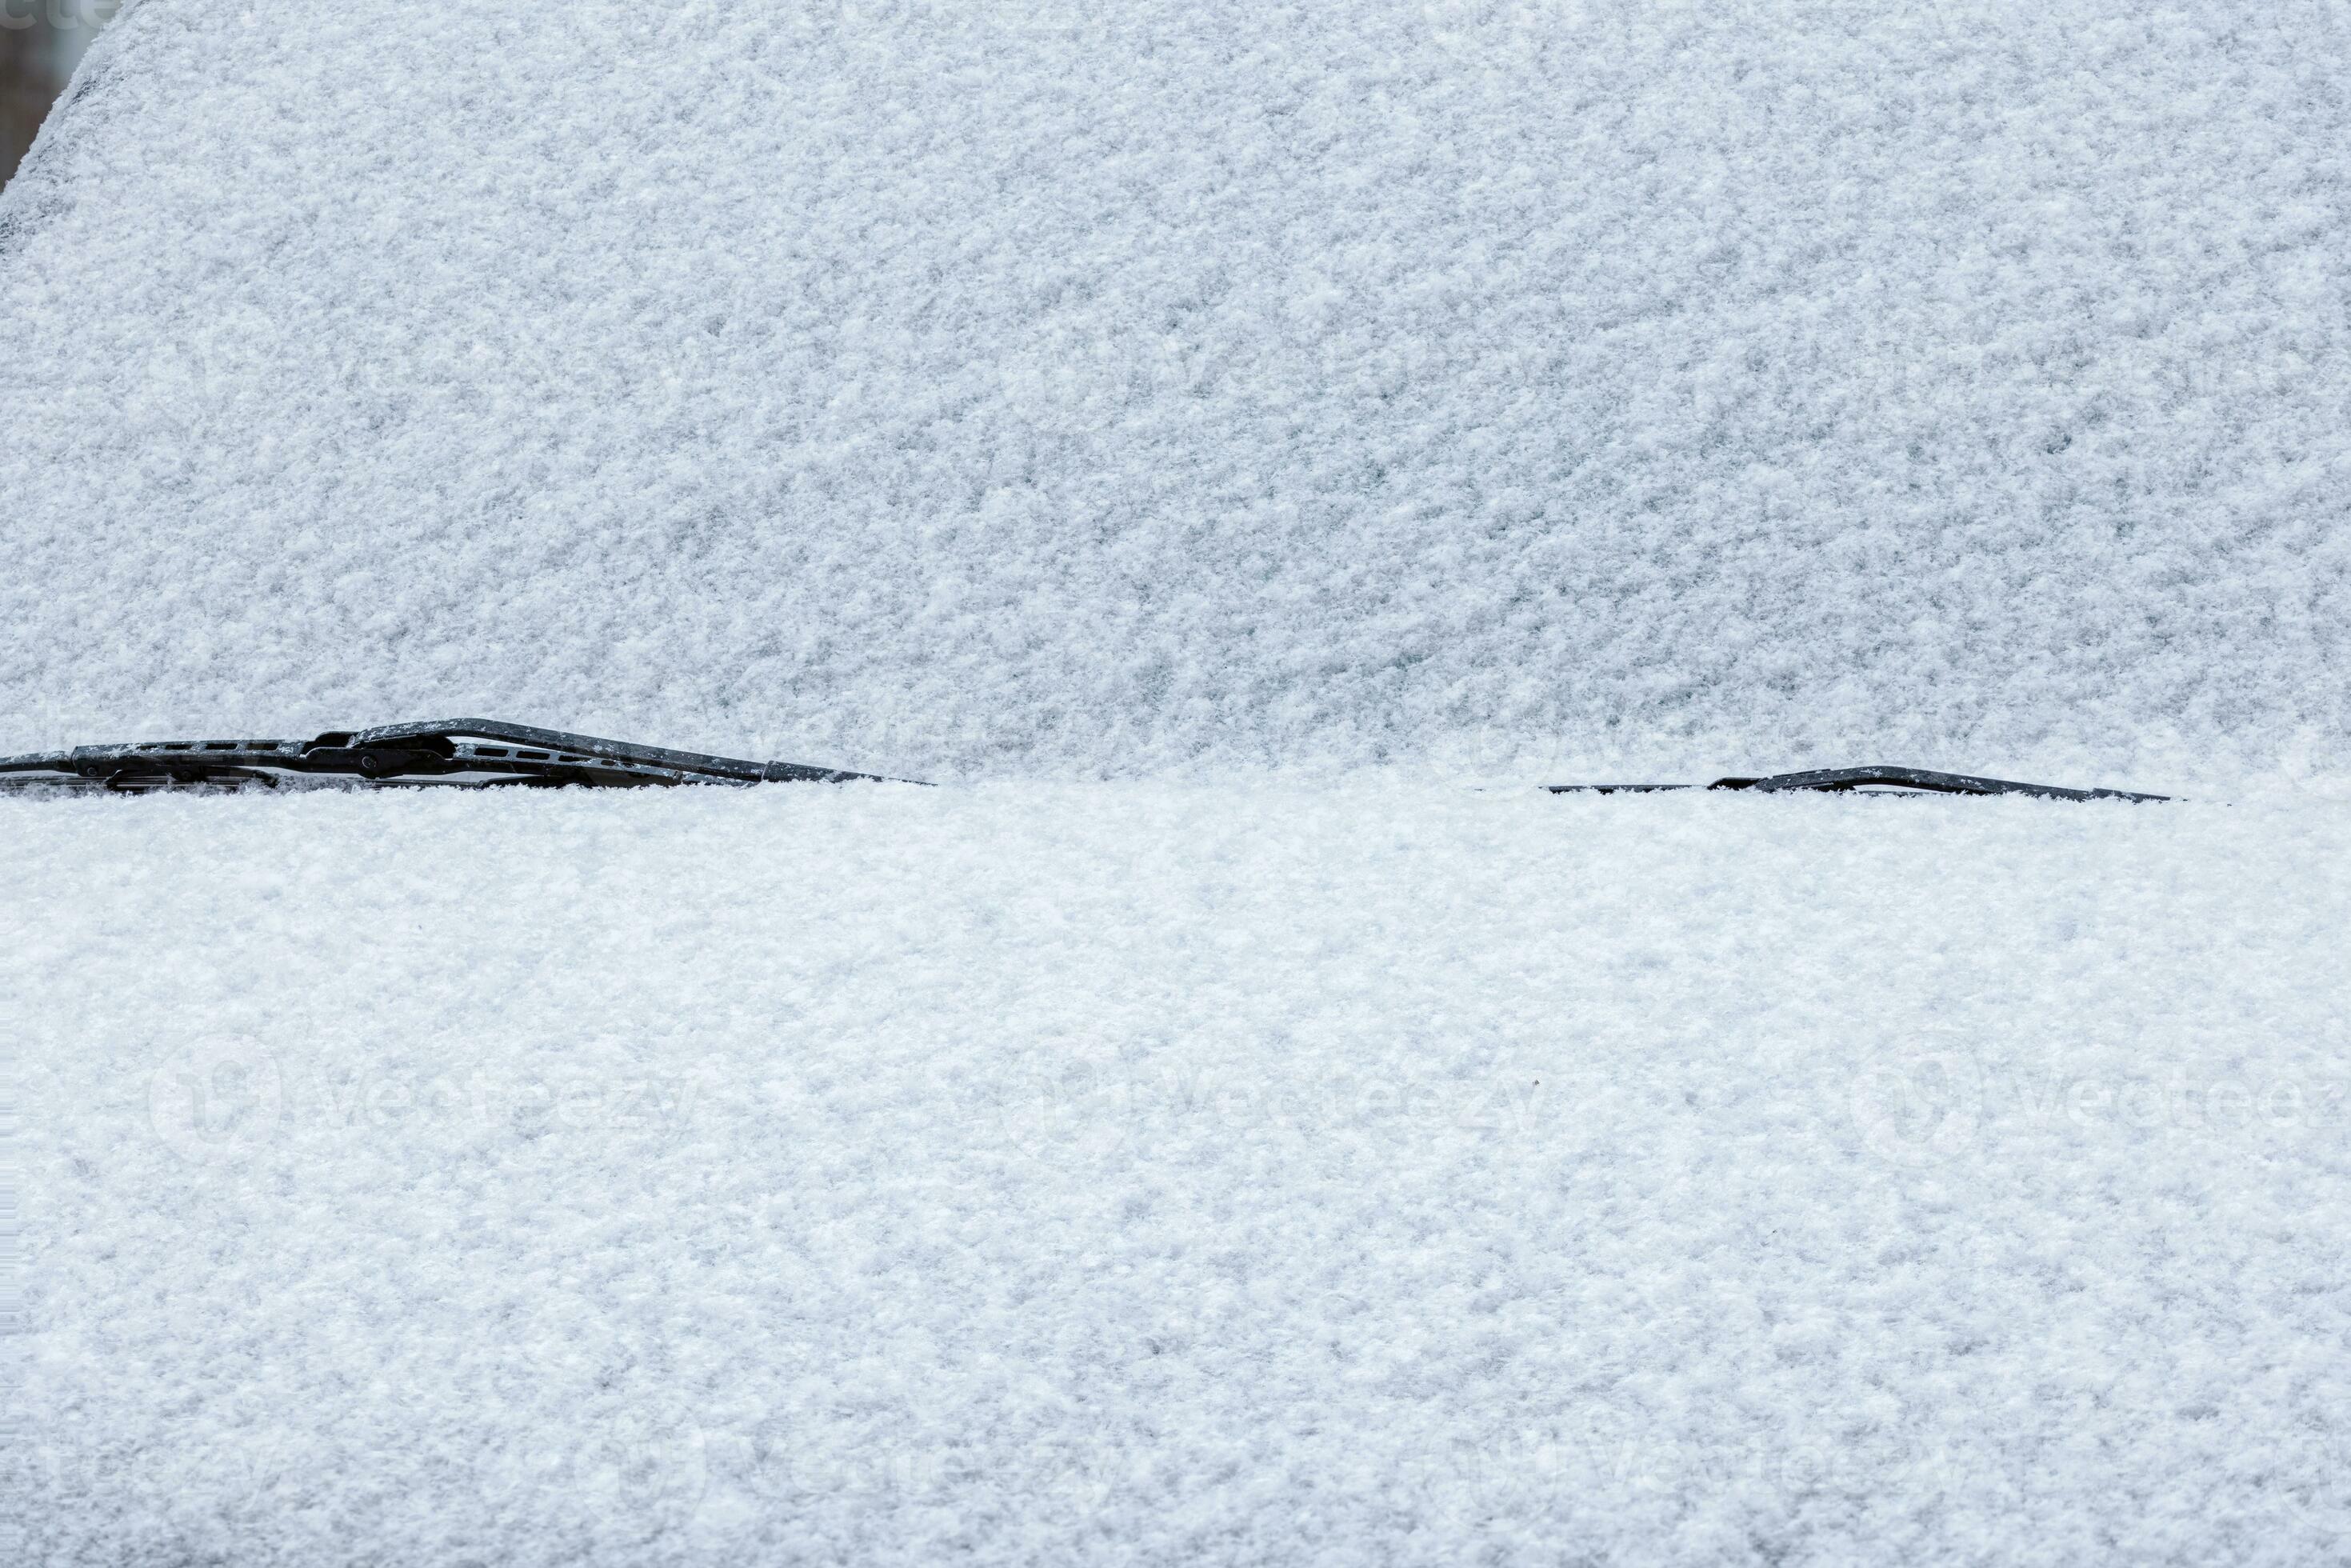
[1162, 1174]
[1058, 389]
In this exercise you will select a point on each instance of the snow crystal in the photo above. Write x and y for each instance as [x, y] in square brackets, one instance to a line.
[1057, 389]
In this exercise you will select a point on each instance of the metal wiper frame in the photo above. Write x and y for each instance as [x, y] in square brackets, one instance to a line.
[459, 752]
[1878, 778]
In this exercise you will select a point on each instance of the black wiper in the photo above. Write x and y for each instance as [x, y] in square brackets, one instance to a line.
[481, 752]
[458, 751]
[1882, 778]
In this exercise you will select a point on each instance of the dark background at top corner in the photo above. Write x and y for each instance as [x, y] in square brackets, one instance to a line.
[40, 43]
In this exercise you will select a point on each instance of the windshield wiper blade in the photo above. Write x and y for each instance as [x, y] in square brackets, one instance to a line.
[480, 753]
[460, 752]
[1877, 779]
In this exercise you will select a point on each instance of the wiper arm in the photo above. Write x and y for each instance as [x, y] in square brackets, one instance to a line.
[1878, 779]
[445, 752]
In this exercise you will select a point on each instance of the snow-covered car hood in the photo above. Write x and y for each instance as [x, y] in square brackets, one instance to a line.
[887, 1174]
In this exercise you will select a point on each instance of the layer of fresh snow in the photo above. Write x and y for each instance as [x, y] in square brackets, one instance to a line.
[1177, 1175]
[1012, 390]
